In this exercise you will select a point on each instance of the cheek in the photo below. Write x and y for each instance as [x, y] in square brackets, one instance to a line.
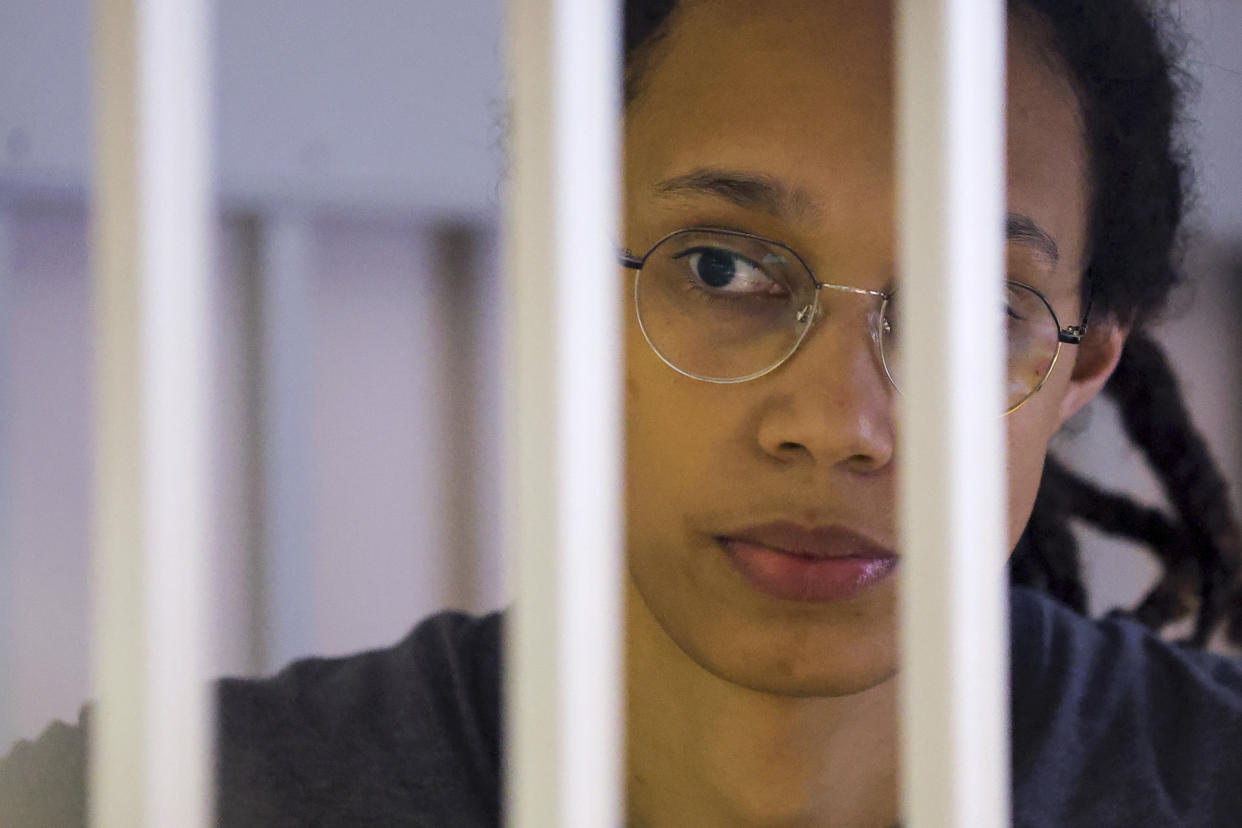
[686, 454]
[1028, 432]
[668, 433]
[676, 427]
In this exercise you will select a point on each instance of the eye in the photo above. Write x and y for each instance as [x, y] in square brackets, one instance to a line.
[1013, 304]
[728, 272]
[1022, 304]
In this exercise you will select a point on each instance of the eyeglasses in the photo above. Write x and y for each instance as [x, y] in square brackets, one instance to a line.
[724, 306]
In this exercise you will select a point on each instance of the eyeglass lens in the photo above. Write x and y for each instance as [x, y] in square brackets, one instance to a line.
[724, 307]
[1030, 334]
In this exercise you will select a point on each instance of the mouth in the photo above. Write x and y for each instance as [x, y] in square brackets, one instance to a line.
[821, 564]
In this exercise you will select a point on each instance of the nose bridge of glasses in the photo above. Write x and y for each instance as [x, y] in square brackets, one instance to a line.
[879, 294]
[816, 309]
[868, 313]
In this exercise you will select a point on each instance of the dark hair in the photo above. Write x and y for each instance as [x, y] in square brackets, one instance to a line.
[1117, 55]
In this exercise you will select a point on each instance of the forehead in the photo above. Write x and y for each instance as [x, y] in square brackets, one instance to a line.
[804, 91]
[747, 78]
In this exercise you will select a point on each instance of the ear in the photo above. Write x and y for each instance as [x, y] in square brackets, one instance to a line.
[1097, 356]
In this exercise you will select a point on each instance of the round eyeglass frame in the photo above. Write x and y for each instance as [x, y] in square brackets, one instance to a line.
[1070, 335]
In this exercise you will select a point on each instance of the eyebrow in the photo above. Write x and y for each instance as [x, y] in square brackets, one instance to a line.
[756, 191]
[1023, 230]
[750, 191]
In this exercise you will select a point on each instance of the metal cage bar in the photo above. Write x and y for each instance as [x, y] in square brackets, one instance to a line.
[151, 746]
[951, 192]
[564, 472]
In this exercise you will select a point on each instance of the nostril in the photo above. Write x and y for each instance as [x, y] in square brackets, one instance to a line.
[791, 451]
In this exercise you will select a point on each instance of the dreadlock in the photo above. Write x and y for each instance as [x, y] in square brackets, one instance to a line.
[1116, 53]
[1200, 549]
[1128, 90]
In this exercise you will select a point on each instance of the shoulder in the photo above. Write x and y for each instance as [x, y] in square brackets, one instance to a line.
[41, 782]
[443, 672]
[407, 735]
[1114, 726]
[371, 738]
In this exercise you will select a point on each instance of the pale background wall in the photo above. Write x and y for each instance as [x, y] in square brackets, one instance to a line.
[357, 165]
[357, 158]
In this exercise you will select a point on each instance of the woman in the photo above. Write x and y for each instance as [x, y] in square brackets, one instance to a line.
[775, 119]
[760, 602]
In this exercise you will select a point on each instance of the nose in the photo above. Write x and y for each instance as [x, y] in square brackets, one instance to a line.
[831, 404]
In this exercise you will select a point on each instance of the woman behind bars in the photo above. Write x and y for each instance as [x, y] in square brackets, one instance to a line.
[763, 354]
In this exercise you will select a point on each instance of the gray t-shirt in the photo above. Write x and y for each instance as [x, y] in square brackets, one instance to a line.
[405, 736]
[1111, 727]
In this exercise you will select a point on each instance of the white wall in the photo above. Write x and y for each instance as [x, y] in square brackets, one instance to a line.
[372, 102]
[383, 545]
[44, 452]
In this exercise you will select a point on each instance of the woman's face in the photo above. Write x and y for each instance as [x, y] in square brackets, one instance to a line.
[799, 95]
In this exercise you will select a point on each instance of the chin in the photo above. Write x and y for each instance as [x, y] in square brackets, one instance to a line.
[782, 657]
[846, 676]
[763, 644]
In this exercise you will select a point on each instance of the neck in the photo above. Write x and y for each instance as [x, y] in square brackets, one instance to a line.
[703, 751]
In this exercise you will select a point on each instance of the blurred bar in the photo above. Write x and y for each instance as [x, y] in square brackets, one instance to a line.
[150, 746]
[562, 305]
[284, 599]
[9, 641]
[954, 631]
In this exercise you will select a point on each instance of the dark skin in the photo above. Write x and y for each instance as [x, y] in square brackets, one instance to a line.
[745, 709]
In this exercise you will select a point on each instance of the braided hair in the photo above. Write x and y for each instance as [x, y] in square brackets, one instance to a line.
[1118, 57]
[1128, 87]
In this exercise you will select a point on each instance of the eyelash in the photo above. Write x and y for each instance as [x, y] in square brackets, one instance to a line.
[700, 288]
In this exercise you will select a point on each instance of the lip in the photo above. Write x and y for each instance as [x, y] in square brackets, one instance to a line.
[820, 564]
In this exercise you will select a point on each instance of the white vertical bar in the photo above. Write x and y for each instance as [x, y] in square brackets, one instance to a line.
[150, 747]
[564, 479]
[285, 405]
[951, 162]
